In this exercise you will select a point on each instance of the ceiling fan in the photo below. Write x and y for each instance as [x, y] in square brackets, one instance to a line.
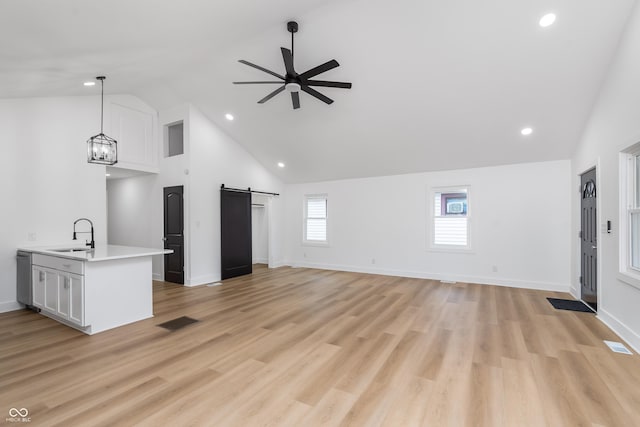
[294, 82]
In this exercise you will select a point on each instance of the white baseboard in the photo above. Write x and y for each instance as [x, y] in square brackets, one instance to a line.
[208, 279]
[202, 280]
[512, 283]
[158, 276]
[574, 292]
[6, 306]
[277, 264]
[623, 331]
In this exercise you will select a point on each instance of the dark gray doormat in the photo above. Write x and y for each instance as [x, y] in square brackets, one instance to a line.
[179, 323]
[569, 304]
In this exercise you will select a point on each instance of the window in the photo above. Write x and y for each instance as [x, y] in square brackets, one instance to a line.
[630, 211]
[629, 240]
[315, 219]
[633, 209]
[450, 218]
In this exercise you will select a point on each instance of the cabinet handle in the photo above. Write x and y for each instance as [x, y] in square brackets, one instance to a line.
[41, 275]
[66, 283]
[66, 265]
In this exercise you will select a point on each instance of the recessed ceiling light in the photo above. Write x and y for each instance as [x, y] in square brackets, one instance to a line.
[547, 20]
[228, 116]
[107, 174]
[280, 164]
[526, 131]
[89, 83]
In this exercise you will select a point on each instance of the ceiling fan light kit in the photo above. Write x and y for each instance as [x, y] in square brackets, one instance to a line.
[294, 82]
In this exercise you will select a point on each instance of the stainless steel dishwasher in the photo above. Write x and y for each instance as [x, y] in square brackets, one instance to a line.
[23, 279]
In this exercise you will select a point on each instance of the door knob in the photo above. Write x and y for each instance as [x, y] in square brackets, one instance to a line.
[594, 247]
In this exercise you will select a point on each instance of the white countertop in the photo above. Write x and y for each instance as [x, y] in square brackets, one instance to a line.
[100, 253]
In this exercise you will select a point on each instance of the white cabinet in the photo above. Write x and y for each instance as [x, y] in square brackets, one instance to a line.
[50, 290]
[133, 125]
[38, 286]
[76, 298]
[94, 292]
[63, 295]
[58, 289]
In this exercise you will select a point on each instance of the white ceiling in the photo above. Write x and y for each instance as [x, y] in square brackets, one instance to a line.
[436, 85]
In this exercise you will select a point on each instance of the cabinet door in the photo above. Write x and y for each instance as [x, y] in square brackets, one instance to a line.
[63, 295]
[76, 299]
[38, 287]
[51, 290]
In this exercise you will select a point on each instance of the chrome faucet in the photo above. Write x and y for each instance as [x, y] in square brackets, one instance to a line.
[92, 243]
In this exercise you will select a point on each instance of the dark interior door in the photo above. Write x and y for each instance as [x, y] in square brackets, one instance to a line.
[174, 234]
[235, 219]
[588, 234]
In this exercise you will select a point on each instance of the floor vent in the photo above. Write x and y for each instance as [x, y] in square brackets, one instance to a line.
[214, 284]
[179, 323]
[617, 347]
[448, 282]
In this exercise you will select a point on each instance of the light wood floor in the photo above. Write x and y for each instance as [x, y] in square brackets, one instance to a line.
[303, 347]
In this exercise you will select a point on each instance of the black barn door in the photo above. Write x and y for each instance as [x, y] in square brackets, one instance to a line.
[589, 241]
[174, 234]
[235, 218]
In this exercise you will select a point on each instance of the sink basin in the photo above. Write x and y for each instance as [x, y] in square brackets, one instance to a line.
[70, 250]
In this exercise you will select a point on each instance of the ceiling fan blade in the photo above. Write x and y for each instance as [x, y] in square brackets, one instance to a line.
[242, 61]
[255, 83]
[271, 95]
[317, 94]
[341, 85]
[295, 98]
[330, 65]
[288, 61]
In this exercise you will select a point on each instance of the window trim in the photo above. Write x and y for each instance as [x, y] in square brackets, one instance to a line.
[628, 179]
[306, 242]
[458, 249]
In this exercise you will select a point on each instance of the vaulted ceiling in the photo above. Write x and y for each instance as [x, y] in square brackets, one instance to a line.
[436, 85]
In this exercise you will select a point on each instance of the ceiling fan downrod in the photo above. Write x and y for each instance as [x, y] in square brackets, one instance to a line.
[292, 27]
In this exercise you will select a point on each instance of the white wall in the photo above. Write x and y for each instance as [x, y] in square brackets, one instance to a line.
[614, 125]
[520, 219]
[174, 171]
[130, 205]
[260, 229]
[217, 159]
[210, 158]
[47, 180]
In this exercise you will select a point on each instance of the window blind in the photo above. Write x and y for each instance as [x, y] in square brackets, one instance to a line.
[316, 227]
[450, 229]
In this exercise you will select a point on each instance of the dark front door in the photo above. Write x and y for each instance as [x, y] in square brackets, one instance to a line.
[174, 234]
[588, 235]
[235, 220]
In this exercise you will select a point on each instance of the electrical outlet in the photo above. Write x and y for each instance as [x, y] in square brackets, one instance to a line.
[304, 254]
[373, 260]
[494, 268]
[32, 237]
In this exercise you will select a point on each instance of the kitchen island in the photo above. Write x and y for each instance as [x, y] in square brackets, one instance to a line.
[93, 290]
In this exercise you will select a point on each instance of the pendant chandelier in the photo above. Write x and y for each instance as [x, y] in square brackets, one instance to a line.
[102, 149]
